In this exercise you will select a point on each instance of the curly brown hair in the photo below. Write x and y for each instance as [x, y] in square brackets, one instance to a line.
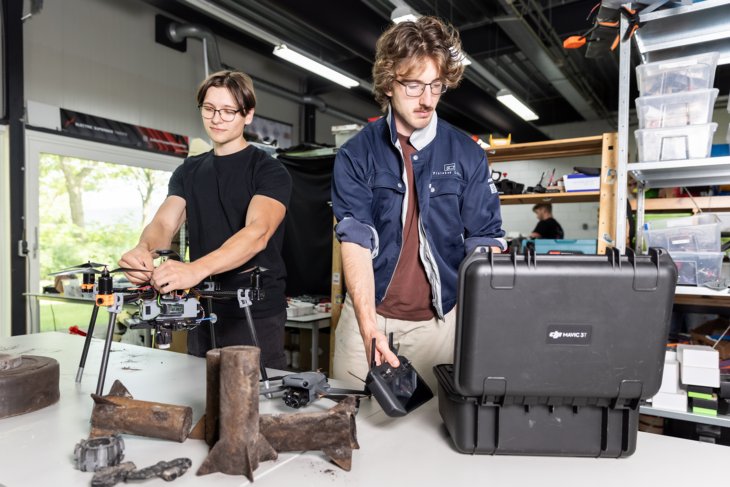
[239, 84]
[404, 46]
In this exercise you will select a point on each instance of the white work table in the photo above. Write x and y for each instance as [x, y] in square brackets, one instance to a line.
[37, 448]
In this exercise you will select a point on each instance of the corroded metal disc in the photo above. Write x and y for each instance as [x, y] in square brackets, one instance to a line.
[28, 386]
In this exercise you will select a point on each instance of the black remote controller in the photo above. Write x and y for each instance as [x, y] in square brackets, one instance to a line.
[398, 390]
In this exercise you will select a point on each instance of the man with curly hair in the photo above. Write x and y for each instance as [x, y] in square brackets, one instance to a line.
[412, 196]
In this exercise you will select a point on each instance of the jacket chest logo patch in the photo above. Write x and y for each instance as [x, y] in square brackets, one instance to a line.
[449, 170]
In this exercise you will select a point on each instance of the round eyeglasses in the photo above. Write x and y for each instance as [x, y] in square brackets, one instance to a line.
[416, 88]
[226, 114]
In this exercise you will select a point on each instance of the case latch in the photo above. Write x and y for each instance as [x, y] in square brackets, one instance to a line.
[629, 394]
[497, 387]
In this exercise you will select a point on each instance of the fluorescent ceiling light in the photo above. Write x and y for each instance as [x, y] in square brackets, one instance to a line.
[516, 105]
[404, 13]
[314, 66]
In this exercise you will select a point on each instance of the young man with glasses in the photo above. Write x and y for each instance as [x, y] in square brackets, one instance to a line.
[412, 196]
[234, 199]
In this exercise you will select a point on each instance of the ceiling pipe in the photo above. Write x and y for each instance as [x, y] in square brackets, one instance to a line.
[527, 40]
[179, 32]
[253, 30]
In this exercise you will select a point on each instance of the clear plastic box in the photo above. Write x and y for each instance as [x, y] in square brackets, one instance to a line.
[675, 143]
[677, 75]
[698, 233]
[697, 268]
[676, 110]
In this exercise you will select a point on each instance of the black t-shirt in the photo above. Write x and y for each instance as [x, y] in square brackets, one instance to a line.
[217, 192]
[549, 228]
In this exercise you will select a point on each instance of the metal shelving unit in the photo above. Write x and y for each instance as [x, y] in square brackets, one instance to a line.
[604, 144]
[665, 34]
[721, 420]
[660, 37]
[675, 32]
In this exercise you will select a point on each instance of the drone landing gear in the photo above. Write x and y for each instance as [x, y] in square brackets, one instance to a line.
[113, 310]
[244, 301]
[87, 342]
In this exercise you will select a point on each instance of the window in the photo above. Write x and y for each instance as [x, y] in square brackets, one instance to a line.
[84, 201]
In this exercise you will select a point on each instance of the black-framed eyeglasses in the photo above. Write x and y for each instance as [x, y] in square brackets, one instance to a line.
[226, 114]
[416, 88]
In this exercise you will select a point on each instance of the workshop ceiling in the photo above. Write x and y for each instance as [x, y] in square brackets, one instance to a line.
[515, 44]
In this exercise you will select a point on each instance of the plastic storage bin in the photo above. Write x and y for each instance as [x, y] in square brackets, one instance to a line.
[675, 143]
[547, 246]
[698, 233]
[677, 75]
[690, 108]
[697, 268]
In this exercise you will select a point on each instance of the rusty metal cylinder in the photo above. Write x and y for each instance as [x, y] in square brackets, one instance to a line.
[212, 395]
[240, 447]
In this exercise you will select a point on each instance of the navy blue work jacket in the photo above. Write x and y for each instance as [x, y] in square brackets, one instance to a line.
[458, 203]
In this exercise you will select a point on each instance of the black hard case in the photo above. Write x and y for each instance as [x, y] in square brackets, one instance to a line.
[554, 352]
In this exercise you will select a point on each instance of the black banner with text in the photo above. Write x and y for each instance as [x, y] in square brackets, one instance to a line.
[105, 130]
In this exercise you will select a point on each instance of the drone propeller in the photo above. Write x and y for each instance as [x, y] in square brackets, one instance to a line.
[90, 270]
[78, 270]
[254, 268]
[128, 269]
[87, 264]
[87, 268]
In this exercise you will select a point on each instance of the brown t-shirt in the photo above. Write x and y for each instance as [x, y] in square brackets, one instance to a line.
[409, 295]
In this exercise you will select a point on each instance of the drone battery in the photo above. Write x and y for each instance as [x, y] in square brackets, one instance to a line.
[553, 353]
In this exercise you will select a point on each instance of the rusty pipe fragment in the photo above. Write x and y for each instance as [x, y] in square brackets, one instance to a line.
[331, 431]
[119, 412]
[212, 395]
[241, 447]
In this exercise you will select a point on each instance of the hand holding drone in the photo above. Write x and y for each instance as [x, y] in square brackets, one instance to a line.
[162, 312]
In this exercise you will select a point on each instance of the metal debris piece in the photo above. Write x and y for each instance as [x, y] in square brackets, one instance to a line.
[241, 447]
[96, 453]
[110, 476]
[119, 412]
[331, 431]
[167, 471]
[10, 361]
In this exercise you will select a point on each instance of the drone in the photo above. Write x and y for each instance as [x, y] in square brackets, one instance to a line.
[161, 312]
[303, 388]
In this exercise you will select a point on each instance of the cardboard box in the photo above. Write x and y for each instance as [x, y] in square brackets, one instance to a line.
[700, 376]
[671, 402]
[698, 356]
[581, 182]
[703, 335]
[670, 378]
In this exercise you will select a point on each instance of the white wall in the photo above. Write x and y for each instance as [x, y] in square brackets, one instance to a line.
[100, 57]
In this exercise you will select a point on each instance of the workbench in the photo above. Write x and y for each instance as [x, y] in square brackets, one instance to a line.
[37, 448]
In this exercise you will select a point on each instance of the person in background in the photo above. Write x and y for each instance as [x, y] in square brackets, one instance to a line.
[547, 226]
[412, 196]
[234, 198]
